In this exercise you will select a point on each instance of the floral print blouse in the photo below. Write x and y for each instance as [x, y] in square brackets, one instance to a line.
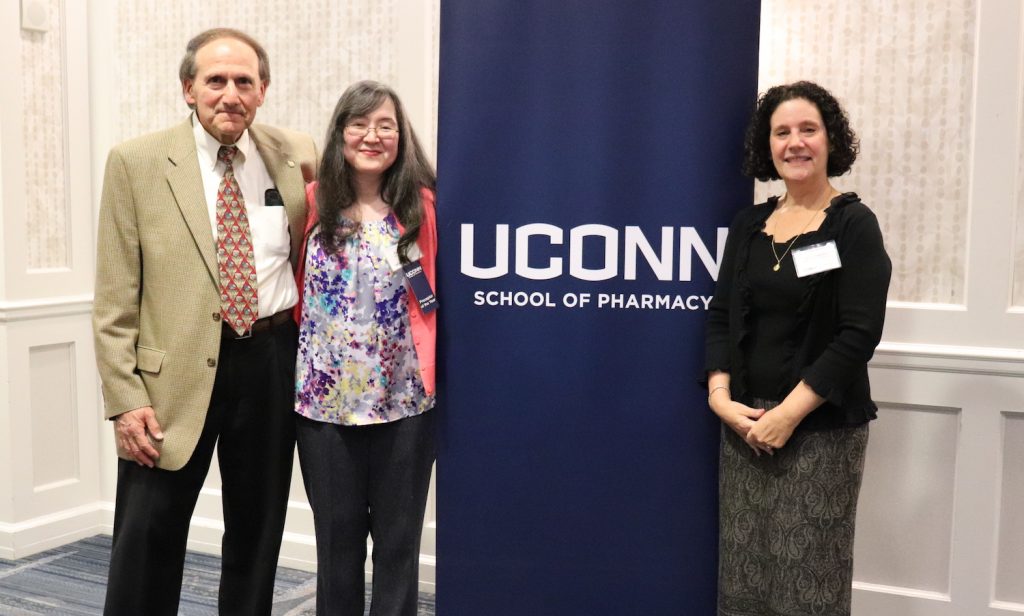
[356, 362]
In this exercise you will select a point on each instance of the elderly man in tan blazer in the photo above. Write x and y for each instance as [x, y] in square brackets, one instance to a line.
[199, 227]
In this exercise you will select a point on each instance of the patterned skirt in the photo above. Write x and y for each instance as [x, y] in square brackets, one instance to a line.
[786, 523]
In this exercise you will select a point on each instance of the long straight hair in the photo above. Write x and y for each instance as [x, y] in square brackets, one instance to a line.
[401, 182]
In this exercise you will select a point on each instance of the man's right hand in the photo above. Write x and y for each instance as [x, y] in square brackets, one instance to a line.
[134, 429]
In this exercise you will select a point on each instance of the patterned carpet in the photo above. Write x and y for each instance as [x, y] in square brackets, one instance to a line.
[70, 581]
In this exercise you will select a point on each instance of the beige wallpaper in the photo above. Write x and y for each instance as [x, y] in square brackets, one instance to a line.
[316, 48]
[435, 13]
[1018, 254]
[43, 121]
[904, 73]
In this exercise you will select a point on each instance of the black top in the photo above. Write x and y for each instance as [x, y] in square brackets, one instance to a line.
[836, 320]
[775, 298]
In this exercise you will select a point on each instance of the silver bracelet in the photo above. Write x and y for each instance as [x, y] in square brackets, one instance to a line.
[712, 392]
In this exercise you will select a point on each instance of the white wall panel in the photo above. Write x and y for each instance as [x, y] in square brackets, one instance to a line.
[942, 457]
[46, 187]
[54, 411]
[905, 521]
[6, 437]
[50, 486]
[1009, 586]
[54, 482]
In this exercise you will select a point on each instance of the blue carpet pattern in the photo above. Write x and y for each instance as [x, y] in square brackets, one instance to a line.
[71, 581]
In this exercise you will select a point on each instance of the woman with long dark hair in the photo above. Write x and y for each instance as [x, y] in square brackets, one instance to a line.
[796, 316]
[365, 369]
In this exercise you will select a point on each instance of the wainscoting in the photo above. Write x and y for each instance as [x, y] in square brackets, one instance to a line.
[939, 528]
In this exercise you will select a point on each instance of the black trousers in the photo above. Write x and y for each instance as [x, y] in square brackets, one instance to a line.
[367, 480]
[250, 421]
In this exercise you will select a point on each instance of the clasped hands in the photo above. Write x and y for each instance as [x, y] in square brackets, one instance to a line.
[764, 431]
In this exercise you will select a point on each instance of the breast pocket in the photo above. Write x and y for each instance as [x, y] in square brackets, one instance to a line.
[270, 226]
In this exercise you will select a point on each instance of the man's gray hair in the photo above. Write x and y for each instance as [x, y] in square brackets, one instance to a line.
[187, 70]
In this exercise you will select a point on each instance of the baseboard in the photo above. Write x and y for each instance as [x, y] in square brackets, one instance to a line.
[28, 537]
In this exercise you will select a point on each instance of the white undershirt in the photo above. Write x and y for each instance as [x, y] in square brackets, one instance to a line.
[268, 224]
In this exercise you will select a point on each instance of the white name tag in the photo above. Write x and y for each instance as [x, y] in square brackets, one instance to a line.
[816, 258]
[391, 255]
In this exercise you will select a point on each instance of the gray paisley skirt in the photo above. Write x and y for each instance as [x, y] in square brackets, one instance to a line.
[786, 523]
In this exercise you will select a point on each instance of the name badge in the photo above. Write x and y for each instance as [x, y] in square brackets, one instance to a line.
[394, 262]
[420, 286]
[816, 258]
[391, 256]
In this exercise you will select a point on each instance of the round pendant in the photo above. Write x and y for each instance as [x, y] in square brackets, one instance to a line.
[776, 267]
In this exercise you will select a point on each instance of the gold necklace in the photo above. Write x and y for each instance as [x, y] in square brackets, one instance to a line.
[778, 259]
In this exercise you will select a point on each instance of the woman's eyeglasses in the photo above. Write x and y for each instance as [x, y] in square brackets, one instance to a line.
[360, 130]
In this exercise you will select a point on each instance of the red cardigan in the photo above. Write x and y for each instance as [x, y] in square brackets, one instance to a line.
[424, 326]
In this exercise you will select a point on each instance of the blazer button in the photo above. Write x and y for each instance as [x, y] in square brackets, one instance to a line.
[216, 316]
[211, 362]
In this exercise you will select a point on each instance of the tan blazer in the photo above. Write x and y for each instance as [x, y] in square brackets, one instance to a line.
[156, 314]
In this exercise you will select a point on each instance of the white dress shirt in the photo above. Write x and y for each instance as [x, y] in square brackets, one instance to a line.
[267, 224]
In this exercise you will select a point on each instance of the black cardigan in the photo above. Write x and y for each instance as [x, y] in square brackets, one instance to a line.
[839, 321]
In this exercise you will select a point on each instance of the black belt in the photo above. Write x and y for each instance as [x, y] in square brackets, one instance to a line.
[260, 327]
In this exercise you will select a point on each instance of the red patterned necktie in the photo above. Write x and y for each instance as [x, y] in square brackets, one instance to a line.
[239, 303]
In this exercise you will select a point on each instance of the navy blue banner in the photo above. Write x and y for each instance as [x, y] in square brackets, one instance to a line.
[589, 164]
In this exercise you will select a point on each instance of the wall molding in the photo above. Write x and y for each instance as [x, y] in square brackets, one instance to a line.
[48, 308]
[988, 361]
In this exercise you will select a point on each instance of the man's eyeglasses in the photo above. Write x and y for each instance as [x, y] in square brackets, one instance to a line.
[361, 130]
